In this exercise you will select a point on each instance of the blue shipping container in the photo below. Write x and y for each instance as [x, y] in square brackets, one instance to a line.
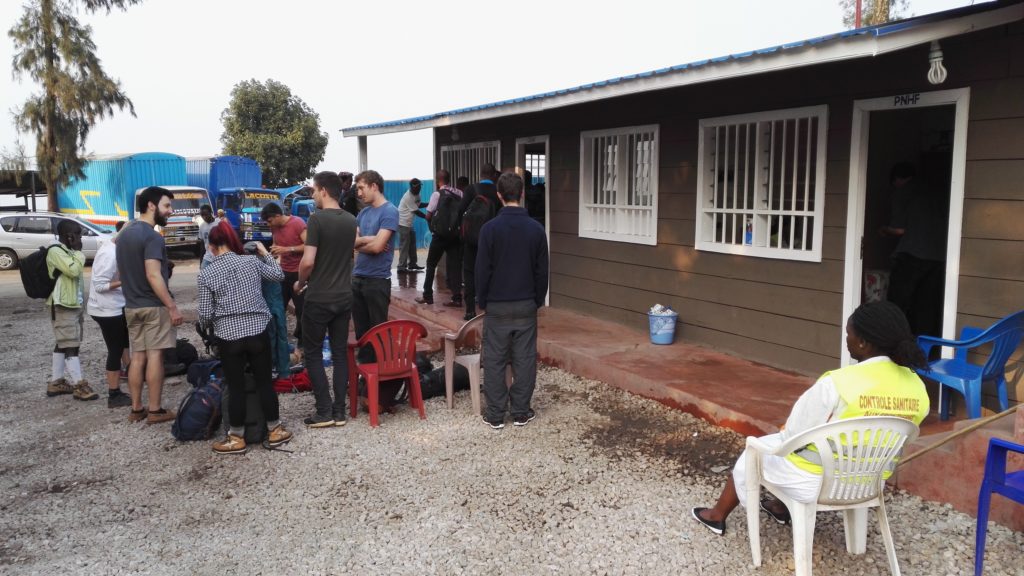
[107, 193]
[216, 172]
[394, 190]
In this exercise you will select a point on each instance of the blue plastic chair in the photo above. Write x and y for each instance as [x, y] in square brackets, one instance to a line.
[966, 378]
[996, 480]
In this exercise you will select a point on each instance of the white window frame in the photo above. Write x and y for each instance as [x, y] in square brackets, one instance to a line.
[466, 159]
[761, 182]
[619, 220]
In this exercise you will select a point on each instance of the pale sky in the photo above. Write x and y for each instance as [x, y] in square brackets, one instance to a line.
[357, 63]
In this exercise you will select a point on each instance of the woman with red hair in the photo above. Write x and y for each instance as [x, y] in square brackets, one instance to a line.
[230, 298]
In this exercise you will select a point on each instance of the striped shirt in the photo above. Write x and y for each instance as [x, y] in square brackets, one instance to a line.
[230, 294]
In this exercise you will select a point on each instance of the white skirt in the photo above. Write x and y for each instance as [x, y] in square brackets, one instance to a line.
[798, 484]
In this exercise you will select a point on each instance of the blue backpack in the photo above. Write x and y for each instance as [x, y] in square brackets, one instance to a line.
[199, 413]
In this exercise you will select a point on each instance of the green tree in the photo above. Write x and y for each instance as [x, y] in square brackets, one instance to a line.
[56, 52]
[269, 124]
[873, 12]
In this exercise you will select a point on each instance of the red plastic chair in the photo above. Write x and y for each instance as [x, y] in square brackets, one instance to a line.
[394, 343]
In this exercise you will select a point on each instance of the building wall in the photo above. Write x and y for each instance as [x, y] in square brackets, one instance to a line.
[780, 312]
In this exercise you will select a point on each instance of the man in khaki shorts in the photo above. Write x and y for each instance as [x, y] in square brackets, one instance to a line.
[149, 309]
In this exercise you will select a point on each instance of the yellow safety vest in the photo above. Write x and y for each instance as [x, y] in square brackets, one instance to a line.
[872, 389]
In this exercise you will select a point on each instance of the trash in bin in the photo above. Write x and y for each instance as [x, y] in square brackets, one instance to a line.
[663, 324]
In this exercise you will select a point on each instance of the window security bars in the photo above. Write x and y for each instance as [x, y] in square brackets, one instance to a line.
[619, 184]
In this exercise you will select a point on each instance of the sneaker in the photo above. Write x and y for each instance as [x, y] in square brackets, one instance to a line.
[161, 415]
[318, 422]
[119, 400]
[276, 437]
[524, 419]
[137, 415]
[58, 387]
[425, 300]
[340, 420]
[233, 445]
[402, 270]
[415, 268]
[716, 527]
[82, 391]
[495, 425]
[454, 303]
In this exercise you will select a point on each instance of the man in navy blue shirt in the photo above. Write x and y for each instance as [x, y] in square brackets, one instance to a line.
[511, 284]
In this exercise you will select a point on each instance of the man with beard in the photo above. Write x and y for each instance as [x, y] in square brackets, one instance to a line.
[149, 309]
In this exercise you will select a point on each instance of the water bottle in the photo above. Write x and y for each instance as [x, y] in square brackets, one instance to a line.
[327, 351]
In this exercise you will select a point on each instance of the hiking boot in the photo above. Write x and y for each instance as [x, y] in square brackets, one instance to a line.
[119, 400]
[425, 300]
[319, 422]
[235, 444]
[278, 436]
[161, 415]
[58, 387]
[137, 416]
[82, 391]
[495, 424]
[523, 419]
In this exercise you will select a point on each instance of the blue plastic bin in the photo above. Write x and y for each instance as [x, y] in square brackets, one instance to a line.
[663, 327]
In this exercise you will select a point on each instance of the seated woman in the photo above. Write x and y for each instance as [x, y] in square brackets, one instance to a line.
[879, 338]
[230, 298]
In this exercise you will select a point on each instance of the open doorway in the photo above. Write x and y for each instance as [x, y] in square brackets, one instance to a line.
[926, 131]
[532, 163]
[906, 212]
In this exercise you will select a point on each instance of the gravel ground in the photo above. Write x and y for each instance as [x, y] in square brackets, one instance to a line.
[600, 483]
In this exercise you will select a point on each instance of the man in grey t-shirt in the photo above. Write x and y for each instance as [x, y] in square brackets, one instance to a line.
[325, 276]
[150, 310]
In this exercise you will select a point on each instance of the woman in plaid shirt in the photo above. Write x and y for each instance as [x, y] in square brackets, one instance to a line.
[230, 298]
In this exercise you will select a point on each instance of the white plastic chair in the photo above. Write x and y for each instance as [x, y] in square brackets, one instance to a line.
[855, 453]
[452, 342]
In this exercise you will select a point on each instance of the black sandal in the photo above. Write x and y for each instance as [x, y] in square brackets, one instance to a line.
[780, 518]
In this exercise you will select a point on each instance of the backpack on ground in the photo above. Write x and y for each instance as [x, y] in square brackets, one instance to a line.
[199, 413]
[200, 372]
[293, 383]
[445, 221]
[35, 275]
[480, 210]
[432, 383]
[178, 359]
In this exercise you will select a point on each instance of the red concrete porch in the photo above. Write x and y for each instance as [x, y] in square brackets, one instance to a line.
[748, 397]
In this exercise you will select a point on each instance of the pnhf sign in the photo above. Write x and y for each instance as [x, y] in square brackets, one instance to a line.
[907, 99]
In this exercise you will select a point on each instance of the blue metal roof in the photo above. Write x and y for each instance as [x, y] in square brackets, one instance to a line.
[876, 31]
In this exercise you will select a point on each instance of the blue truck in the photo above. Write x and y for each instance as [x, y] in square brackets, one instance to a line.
[242, 207]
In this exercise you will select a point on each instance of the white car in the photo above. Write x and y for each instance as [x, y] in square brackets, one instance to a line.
[22, 233]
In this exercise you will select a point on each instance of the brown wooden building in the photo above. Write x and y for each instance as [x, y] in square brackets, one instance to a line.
[747, 191]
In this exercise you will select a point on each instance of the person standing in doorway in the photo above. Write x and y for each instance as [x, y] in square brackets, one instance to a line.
[512, 283]
[325, 282]
[408, 210]
[444, 241]
[289, 234]
[371, 277]
[150, 310]
[475, 212]
[919, 219]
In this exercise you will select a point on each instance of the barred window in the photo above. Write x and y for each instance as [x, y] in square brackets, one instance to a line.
[761, 183]
[467, 159]
[619, 184]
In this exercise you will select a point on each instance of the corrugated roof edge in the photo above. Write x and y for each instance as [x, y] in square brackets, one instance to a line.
[877, 31]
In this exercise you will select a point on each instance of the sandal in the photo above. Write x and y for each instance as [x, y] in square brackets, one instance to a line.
[782, 518]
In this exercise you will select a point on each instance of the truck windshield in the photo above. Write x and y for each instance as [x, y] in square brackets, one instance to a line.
[187, 203]
[258, 199]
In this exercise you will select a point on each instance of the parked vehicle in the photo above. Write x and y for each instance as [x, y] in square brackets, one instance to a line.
[242, 208]
[182, 230]
[303, 208]
[299, 202]
[215, 172]
[22, 233]
[107, 194]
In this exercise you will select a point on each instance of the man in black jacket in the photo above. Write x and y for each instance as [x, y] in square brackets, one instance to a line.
[512, 283]
[486, 188]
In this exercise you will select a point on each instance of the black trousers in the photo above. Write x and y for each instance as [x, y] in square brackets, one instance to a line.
[451, 248]
[469, 278]
[288, 293]
[115, 336]
[371, 298]
[254, 352]
[917, 286]
[319, 320]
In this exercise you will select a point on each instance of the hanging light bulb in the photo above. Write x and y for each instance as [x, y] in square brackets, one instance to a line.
[937, 72]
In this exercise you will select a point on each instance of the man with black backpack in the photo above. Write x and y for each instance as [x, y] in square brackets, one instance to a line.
[64, 263]
[443, 218]
[479, 205]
